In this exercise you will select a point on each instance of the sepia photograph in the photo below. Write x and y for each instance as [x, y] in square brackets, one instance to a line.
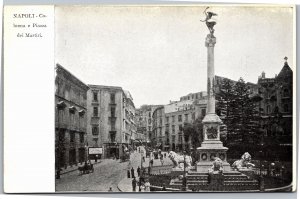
[174, 98]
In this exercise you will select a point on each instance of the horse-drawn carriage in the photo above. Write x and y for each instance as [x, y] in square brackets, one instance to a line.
[86, 168]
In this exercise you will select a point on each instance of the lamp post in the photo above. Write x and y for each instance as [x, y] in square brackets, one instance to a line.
[141, 171]
[184, 184]
[261, 178]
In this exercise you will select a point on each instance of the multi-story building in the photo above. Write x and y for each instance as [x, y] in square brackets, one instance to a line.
[194, 96]
[110, 116]
[144, 121]
[169, 120]
[276, 108]
[70, 118]
[157, 136]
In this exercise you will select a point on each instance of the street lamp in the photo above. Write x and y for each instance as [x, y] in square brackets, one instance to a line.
[184, 183]
[141, 171]
[261, 178]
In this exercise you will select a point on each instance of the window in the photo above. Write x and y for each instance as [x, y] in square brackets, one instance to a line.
[72, 136]
[173, 128]
[179, 118]
[113, 125]
[180, 127]
[95, 96]
[95, 130]
[95, 113]
[81, 137]
[186, 117]
[112, 97]
[61, 135]
[160, 132]
[149, 121]
[173, 138]
[173, 118]
[285, 93]
[167, 119]
[112, 111]
[160, 121]
[285, 108]
[112, 136]
[193, 116]
[203, 112]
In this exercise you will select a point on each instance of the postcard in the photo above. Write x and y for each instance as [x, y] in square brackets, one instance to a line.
[150, 98]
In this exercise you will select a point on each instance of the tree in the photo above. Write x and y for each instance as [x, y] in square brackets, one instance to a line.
[243, 125]
[225, 98]
[194, 130]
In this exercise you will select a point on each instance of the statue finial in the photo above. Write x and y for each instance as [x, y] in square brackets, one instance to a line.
[285, 58]
[210, 23]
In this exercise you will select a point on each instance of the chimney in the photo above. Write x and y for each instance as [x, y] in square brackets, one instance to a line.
[263, 75]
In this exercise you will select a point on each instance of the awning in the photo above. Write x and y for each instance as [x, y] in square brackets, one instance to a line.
[81, 112]
[72, 108]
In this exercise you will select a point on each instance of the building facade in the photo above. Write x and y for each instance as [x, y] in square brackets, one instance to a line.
[110, 119]
[70, 118]
[276, 109]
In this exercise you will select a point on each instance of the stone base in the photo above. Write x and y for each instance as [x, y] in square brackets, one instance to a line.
[212, 144]
[205, 166]
[247, 172]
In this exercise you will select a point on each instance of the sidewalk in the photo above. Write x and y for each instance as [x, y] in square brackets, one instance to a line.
[125, 185]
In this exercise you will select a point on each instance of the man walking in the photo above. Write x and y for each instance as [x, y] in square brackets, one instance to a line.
[134, 184]
[138, 171]
[132, 173]
[151, 162]
[128, 173]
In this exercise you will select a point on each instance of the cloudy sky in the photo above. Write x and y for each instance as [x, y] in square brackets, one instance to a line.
[158, 53]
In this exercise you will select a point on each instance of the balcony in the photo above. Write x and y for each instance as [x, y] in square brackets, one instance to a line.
[95, 103]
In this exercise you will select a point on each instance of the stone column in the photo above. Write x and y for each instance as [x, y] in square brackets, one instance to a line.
[210, 44]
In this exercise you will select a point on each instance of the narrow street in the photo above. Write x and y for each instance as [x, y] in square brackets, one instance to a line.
[106, 174]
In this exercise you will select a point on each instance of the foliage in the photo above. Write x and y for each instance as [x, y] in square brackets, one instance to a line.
[239, 113]
[194, 130]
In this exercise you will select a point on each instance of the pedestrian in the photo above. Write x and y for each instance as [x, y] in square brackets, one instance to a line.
[138, 171]
[164, 188]
[147, 186]
[134, 184]
[128, 173]
[110, 189]
[151, 162]
[162, 160]
[132, 173]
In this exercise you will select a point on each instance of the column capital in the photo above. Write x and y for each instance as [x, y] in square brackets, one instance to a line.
[210, 40]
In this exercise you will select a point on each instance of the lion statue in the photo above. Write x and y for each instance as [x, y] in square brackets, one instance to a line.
[177, 159]
[244, 162]
[217, 166]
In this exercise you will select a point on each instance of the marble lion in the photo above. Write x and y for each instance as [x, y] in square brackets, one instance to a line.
[177, 159]
[244, 162]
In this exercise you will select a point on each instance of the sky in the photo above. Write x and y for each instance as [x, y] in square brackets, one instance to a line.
[158, 53]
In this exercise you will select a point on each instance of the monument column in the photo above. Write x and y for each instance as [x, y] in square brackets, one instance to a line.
[210, 44]
[211, 147]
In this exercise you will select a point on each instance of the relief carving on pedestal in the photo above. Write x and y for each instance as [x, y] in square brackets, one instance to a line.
[212, 133]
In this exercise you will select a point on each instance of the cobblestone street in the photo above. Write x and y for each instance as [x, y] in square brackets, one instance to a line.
[106, 174]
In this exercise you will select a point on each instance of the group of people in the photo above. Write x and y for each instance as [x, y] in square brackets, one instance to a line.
[144, 185]
[131, 171]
